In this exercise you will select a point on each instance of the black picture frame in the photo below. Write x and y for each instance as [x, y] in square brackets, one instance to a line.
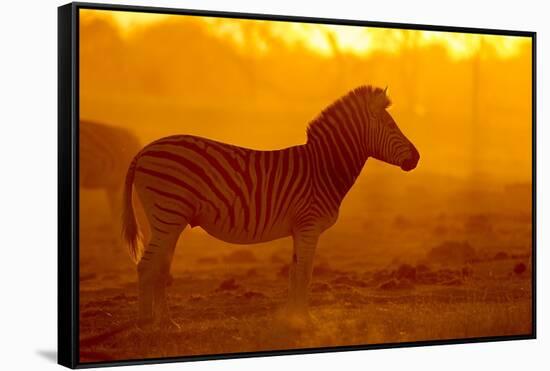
[68, 175]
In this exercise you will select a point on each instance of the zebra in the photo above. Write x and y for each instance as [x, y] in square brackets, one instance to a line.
[105, 152]
[245, 196]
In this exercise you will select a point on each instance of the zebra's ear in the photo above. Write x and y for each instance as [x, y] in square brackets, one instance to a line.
[380, 99]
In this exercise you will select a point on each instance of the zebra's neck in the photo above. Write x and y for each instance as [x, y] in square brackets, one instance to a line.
[339, 157]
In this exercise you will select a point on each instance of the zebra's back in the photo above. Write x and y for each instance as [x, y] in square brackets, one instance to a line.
[236, 194]
[105, 153]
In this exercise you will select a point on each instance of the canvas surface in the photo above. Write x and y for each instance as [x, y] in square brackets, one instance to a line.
[440, 252]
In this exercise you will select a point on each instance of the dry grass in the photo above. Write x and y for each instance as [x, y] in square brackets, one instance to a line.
[242, 319]
[389, 289]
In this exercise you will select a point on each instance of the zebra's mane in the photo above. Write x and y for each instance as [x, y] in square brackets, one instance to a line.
[374, 98]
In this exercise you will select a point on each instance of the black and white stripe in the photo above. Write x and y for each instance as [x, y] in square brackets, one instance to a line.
[245, 196]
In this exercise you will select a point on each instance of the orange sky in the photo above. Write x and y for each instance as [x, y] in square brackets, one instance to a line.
[464, 100]
[352, 39]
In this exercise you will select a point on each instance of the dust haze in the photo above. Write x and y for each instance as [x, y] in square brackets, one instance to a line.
[442, 252]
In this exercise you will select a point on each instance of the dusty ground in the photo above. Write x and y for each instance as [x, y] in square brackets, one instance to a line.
[443, 274]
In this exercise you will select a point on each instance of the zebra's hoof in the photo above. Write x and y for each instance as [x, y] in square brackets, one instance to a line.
[297, 318]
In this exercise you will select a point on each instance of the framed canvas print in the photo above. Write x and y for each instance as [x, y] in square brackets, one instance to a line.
[235, 185]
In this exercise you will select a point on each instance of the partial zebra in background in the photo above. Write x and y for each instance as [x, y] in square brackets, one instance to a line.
[105, 154]
[246, 196]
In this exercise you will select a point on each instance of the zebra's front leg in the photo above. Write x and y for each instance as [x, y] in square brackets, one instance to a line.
[301, 269]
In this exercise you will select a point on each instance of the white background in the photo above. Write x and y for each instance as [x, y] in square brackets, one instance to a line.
[28, 181]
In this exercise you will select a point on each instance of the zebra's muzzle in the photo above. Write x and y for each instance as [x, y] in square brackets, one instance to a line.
[411, 162]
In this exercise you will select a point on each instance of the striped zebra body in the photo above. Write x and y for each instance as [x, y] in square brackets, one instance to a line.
[245, 196]
[236, 194]
[105, 152]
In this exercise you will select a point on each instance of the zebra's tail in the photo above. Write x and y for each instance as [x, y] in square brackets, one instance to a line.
[130, 230]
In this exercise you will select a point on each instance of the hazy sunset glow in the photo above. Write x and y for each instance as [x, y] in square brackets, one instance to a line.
[442, 251]
[325, 40]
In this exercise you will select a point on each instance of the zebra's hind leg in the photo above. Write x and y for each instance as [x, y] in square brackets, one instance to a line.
[153, 274]
[160, 298]
[300, 272]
